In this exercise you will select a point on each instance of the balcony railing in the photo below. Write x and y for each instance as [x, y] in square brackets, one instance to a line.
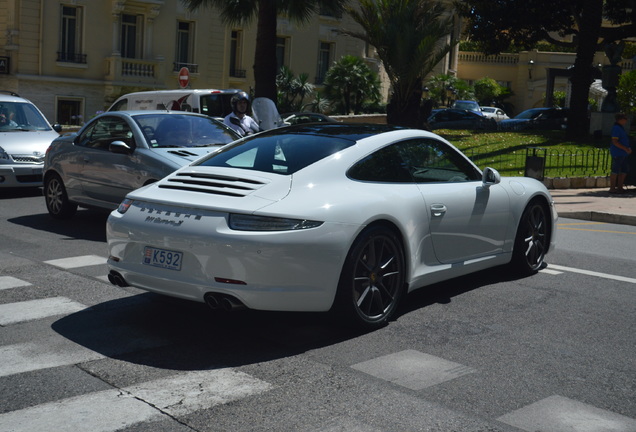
[65, 57]
[237, 73]
[139, 71]
[192, 67]
[476, 57]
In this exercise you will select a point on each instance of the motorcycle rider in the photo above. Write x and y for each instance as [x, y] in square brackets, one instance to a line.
[239, 119]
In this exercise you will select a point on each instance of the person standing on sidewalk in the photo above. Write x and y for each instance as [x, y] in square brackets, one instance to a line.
[619, 150]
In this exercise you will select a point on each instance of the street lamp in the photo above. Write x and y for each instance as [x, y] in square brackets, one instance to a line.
[530, 65]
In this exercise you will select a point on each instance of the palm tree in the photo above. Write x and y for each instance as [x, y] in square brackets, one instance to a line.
[350, 83]
[408, 37]
[244, 11]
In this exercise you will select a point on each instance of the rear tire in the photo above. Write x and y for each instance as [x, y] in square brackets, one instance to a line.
[372, 279]
[532, 240]
[56, 198]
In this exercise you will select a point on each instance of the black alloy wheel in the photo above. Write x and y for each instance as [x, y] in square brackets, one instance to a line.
[531, 242]
[372, 280]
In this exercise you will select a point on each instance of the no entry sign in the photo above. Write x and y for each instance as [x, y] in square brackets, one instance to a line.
[184, 77]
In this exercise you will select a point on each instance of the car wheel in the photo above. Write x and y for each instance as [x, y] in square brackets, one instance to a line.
[57, 202]
[531, 242]
[372, 279]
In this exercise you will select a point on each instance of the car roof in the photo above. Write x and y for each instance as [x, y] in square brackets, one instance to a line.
[348, 131]
[135, 113]
[9, 96]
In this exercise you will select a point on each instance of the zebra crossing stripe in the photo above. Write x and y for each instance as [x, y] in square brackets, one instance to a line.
[7, 282]
[112, 410]
[79, 261]
[12, 313]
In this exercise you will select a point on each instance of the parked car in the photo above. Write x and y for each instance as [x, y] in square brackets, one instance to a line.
[459, 119]
[25, 134]
[306, 117]
[494, 113]
[466, 105]
[326, 216]
[117, 152]
[537, 118]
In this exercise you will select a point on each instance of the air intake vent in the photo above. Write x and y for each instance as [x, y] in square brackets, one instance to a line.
[183, 153]
[212, 184]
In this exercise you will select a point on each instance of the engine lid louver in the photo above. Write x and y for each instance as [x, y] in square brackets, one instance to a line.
[212, 184]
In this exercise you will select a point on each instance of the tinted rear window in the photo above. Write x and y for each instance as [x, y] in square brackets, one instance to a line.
[281, 153]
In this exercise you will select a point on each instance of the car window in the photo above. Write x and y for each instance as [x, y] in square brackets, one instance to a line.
[104, 131]
[21, 116]
[121, 105]
[431, 160]
[179, 130]
[385, 166]
[280, 154]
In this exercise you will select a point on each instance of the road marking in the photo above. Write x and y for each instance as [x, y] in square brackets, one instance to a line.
[557, 413]
[592, 273]
[549, 271]
[79, 261]
[573, 227]
[7, 282]
[12, 313]
[413, 369]
[117, 409]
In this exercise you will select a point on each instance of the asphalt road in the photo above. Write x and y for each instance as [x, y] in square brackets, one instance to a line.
[554, 352]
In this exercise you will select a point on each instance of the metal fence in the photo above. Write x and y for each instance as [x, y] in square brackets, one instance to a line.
[563, 163]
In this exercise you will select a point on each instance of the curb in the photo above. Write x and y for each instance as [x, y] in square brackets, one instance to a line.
[576, 182]
[600, 217]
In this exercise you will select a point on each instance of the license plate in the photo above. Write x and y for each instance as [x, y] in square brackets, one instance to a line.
[163, 258]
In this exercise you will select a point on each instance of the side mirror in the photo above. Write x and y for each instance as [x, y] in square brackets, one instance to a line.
[119, 147]
[490, 177]
[57, 127]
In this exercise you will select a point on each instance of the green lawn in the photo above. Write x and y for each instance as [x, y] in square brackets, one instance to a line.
[507, 151]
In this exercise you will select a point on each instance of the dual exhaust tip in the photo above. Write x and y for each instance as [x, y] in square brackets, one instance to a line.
[225, 302]
[215, 301]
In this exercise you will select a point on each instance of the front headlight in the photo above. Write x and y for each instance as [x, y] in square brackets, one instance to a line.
[4, 156]
[242, 222]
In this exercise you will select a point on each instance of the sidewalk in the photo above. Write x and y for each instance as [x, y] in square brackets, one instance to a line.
[596, 205]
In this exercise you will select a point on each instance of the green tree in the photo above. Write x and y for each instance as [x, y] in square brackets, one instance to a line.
[497, 25]
[626, 92]
[487, 91]
[350, 83]
[267, 11]
[408, 37]
[292, 90]
[444, 88]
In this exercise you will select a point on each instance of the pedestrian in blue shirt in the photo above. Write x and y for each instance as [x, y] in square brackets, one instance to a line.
[619, 150]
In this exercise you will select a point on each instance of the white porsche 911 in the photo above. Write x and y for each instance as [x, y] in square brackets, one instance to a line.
[325, 217]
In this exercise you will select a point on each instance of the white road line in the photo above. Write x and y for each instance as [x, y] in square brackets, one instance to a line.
[592, 273]
[79, 261]
[112, 410]
[43, 354]
[551, 272]
[12, 313]
[7, 282]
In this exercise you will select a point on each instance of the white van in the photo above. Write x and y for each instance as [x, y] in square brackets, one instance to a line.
[215, 103]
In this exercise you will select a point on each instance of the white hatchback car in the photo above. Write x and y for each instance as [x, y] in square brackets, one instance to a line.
[25, 134]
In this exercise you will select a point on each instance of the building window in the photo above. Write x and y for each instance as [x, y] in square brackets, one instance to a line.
[325, 55]
[236, 49]
[69, 111]
[130, 36]
[185, 39]
[71, 35]
[281, 52]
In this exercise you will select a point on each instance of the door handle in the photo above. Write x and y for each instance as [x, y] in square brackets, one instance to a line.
[438, 210]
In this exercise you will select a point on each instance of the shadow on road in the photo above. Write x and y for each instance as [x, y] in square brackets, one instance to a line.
[85, 225]
[168, 333]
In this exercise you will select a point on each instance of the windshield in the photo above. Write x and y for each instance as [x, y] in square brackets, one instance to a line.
[182, 130]
[21, 116]
[281, 154]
